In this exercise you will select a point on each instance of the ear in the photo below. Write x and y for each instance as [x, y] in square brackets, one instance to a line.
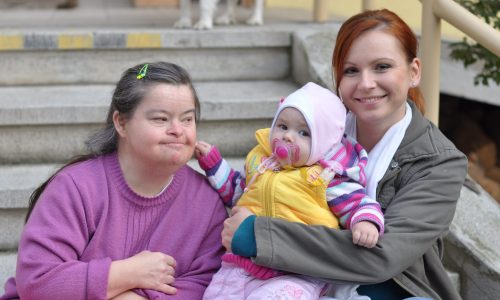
[119, 122]
[415, 71]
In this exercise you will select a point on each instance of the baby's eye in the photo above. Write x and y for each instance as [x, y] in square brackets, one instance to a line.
[282, 127]
[304, 133]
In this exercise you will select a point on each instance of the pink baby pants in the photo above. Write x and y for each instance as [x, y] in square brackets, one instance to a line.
[233, 283]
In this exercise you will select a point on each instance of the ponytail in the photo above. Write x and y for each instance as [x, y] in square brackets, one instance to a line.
[418, 98]
[39, 190]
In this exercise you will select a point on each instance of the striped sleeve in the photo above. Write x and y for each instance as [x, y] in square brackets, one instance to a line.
[228, 182]
[346, 194]
[347, 199]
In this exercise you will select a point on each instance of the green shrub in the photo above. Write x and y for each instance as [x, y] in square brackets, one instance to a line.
[470, 52]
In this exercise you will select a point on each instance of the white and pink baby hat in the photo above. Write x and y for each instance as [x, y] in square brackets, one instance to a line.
[324, 113]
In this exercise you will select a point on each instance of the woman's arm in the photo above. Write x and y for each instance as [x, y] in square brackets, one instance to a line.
[191, 283]
[147, 270]
[53, 240]
[419, 213]
[240, 214]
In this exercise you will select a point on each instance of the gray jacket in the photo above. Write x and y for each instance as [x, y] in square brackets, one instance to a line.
[418, 195]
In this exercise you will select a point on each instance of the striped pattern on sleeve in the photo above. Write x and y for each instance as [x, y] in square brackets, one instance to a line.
[346, 194]
[228, 182]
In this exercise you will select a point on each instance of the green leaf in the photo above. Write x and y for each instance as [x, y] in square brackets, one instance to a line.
[470, 52]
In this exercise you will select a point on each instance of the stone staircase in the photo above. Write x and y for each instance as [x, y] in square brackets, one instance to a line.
[55, 87]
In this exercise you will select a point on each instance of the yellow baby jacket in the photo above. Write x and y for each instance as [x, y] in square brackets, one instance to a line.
[294, 194]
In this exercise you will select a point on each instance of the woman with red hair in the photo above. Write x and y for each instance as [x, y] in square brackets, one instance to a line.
[413, 171]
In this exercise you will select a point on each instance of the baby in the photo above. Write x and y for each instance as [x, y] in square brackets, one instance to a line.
[304, 169]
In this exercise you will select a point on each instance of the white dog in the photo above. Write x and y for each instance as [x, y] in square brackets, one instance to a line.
[207, 10]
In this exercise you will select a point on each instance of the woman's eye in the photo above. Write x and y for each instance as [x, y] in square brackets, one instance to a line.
[382, 67]
[188, 120]
[350, 71]
[159, 119]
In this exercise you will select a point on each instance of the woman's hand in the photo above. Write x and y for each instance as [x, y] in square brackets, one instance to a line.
[154, 270]
[145, 270]
[365, 234]
[231, 224]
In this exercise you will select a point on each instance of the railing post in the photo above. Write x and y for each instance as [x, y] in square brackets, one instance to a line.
[431, 59]
[368, 5]
[320, 13]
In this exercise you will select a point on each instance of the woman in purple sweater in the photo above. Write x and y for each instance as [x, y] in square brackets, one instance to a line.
[130, 220]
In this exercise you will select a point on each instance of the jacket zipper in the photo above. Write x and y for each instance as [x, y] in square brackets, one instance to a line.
[268, 197]
[393, 171]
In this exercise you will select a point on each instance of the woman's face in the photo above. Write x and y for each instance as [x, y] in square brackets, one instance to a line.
[162, 130]
[376, 78]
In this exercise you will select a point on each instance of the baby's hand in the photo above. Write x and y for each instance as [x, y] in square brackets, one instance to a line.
[365, 234]
[201, 149]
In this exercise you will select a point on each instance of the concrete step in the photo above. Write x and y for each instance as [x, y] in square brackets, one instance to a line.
[16, 185]
[51, 123]
[7, 267]
[99, 56]
[471, 247]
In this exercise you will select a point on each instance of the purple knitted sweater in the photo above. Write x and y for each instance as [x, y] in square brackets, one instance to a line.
[88, 216]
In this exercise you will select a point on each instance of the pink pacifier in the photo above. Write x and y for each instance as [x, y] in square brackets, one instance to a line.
[286, 151]
[281, 151]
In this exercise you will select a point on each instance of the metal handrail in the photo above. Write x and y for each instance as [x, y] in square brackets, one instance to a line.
[432, 13]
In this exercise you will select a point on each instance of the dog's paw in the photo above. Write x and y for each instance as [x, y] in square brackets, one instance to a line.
[255, 21]
[183, 23]
[203, 25]
[225, 20]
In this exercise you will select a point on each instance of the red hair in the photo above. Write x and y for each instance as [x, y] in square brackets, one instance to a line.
[384, 20]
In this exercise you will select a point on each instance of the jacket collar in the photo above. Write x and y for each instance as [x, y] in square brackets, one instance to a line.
[419, 141]
[262, 137]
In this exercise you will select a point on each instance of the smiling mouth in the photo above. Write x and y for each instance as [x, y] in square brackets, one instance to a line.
[370, 100]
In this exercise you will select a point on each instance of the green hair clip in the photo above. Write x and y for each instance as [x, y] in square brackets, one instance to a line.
[142, 72]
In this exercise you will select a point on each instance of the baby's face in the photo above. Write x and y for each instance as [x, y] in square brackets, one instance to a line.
[291, 129]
